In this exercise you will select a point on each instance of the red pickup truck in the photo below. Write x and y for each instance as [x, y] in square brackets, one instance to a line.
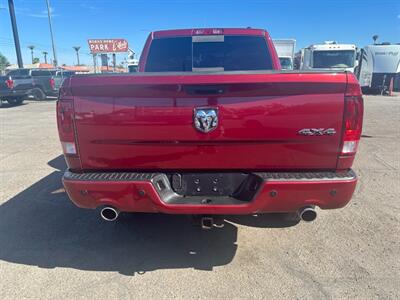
[209, 126]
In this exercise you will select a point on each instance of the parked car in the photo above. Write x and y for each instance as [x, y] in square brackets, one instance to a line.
[42, 83]
[210, 126]
[14, 90]
[58, 78]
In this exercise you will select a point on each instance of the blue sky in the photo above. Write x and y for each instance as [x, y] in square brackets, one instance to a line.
[308, 22]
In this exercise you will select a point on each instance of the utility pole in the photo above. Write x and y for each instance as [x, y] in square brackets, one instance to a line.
[15, 33]
[51, 34]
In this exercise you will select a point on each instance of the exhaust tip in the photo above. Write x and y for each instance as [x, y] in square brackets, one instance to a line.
[308, 214]
[109, 213]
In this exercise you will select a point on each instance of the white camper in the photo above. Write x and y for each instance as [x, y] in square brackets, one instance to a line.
[285, 50]
[378, 65]
[329, 55]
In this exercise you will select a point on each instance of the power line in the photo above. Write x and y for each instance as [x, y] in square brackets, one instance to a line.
[42, 46]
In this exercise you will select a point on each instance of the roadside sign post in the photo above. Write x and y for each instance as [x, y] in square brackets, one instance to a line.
[94, 63]
[105, 46]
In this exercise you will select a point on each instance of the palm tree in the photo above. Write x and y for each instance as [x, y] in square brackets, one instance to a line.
[45, 56]
[4, 63]
[375, 38]
[31, 47]
[76, 48]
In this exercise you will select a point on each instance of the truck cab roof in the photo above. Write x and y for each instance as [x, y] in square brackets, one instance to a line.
[208, 31]
[329, 47]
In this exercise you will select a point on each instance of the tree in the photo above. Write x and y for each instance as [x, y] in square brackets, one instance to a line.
[375, 38]
[4, 63]
[35, 60]
[45, 56]
[76, 48]
[31, 47]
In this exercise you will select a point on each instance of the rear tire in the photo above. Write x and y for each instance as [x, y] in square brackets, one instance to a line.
[15, 101]
[38, 94]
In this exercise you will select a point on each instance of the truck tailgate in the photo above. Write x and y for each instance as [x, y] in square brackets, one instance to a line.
[146, 121]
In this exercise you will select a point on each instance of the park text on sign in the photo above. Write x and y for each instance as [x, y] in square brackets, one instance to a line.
[108, 45]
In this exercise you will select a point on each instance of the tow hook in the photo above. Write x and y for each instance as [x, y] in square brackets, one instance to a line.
[208, 222]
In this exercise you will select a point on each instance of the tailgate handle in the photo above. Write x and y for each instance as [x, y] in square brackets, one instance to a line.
[204, 89]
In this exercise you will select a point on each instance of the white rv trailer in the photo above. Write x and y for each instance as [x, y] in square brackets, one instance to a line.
[329, 55]
[378, 65]
[285, 50]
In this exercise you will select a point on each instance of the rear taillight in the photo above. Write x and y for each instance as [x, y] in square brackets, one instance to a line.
[65, 122]
[10, 83]
[52, 83]
[353, 119]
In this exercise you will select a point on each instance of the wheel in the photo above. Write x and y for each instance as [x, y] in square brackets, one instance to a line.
[38, 94]
[15, 101]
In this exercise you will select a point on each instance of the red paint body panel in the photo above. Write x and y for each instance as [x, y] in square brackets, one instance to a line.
[291, 197]
[146, 122]
[345, 162]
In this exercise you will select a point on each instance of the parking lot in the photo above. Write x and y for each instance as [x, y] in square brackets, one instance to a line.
[51, 249]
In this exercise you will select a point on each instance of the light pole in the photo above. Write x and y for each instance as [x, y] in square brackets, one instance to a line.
[31, 47]
[51, 34]
[45, 56]
[76, 48]
[15, 33]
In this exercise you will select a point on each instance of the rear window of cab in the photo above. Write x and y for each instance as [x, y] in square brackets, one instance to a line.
[208, 53]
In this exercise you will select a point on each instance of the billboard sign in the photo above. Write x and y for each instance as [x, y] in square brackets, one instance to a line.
[107, 45]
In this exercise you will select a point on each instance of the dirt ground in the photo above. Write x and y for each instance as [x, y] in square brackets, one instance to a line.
[49, 249]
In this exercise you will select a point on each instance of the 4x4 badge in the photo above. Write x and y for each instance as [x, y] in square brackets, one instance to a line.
[317, 131]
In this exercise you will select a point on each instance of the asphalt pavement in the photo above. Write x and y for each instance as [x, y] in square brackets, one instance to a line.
[50, 249]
